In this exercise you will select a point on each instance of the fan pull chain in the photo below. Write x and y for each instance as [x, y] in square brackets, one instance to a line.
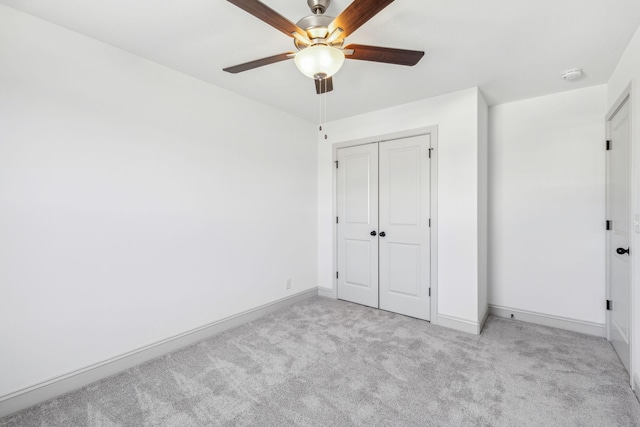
[324, 95]
[320, 113]
[322, 106]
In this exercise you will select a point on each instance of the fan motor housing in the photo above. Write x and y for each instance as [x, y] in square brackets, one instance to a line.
[316, 27]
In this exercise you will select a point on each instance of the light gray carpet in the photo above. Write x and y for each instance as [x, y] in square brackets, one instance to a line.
[325, 362]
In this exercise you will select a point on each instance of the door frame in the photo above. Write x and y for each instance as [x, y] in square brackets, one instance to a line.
[625, 96]
[432, 131]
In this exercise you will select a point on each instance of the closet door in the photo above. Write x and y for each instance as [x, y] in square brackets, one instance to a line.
[358, 224]
[404, 226]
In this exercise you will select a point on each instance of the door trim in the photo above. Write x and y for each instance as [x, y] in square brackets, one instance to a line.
[427, 130]
[625, 97]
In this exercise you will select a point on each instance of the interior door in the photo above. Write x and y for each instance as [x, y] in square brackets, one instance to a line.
[618, 262]
[358, 224]
[404, 236]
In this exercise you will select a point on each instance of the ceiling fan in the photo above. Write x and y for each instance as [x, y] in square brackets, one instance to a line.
[319, 39]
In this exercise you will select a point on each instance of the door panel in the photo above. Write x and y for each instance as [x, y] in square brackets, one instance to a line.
[357, 180]
[404, 261]
[358, 262]
[404, 219]
[403, 206]
[358, 217]
[618, 209]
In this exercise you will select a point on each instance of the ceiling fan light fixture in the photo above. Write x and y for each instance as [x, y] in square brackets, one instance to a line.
[319, 61]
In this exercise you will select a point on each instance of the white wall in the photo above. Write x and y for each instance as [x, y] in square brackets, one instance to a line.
[546, 205]
[628, 72]
[135, 202]
[456, 116]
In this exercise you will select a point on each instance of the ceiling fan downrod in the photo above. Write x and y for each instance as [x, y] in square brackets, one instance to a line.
[318, 7]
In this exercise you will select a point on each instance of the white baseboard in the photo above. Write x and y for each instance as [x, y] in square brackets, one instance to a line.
[559, 322]
[66, 383]
[458, 324]
[327, 293]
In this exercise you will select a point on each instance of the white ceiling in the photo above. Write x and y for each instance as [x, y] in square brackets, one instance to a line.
[511, 49]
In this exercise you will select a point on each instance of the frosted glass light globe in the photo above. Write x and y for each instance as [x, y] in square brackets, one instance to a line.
[319, 61]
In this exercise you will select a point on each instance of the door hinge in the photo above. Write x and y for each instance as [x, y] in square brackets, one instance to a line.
[337, 275]
[336, 164]
[429, 291]
[430, 152]
[609, 305]
[608, 144]
[429, 222]
[608, 224]
[337, 220]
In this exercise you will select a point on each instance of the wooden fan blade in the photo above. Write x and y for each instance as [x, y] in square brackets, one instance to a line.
[384, 54]
[258, 63]
[268, 15]
[324, 85]
[356, 14]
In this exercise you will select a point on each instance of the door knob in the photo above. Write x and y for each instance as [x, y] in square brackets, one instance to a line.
[373, 233]
[620, 251]
[382, 234]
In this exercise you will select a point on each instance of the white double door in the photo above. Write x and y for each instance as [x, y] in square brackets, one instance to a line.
[383, 201]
